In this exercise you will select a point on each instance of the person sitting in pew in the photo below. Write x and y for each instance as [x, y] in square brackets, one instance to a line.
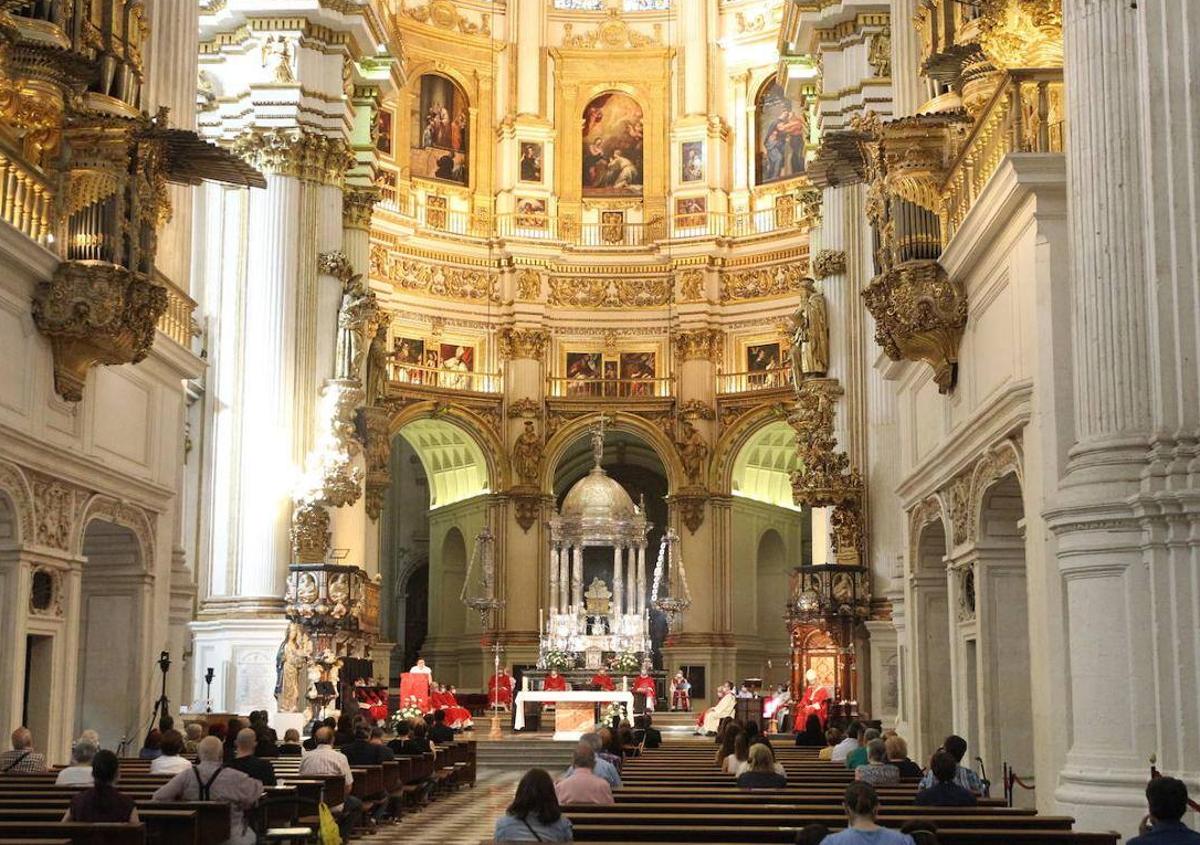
[195, 733]
[362, 752]
[897, 755]
[385, 753]
[534, 814]
[247, 762]
[945, 792]
[812, 834]
[877, 771]
[956, 747]
[648, 735]
[858, 756]
[102, 802]
[169, 762]
[754, 733]
[324, 760]
[22, 760]
[923, 831]
[762, 771]
[833, 737]
[311, 742]
[812, 736]
[209, 780]
[848, 744]
[861, 803]
[603, 768]
[1167, 800]
[583, 785]
[729, 749]
[291, 747]
[79, 773]
[441, 733]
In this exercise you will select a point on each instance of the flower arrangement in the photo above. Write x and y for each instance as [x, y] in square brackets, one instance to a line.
[408, 713]
[615, 710]
[625, 663]
[558, 659]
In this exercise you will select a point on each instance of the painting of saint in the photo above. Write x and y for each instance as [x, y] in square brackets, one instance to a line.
[637, 373]
[531, 161]
[764, 363]
[691, 158]
[612, 146]
[408, 350]
[383, 134]
[583, 368]
[690, 212]
[457, 361]
[612, 375]
[440, 131]
[781, 130]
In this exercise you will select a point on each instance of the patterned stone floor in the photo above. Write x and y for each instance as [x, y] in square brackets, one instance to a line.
[466, 817]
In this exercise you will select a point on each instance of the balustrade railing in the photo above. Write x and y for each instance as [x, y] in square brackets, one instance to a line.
[444, 378]
[1025, 115]
[609, 388]
[177, 321]
[26, 201]
[754, 380]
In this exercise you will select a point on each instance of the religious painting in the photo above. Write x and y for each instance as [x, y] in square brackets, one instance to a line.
[612, 227]
[410, 351]
[435, 211]
[691, 161]
[764, 364]
[612, 146]
[583, 368]
[531, 214]
[440, 129]
[612, 375]
[690, 212]
[781, 129]
[383, 132]
[531, 162]
[457, 362]
[637, 373]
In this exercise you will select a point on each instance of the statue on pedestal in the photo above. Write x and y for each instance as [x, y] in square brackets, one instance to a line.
[810, 335]
[292, 669]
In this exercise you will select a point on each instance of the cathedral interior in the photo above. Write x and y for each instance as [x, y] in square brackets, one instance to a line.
[860, 334]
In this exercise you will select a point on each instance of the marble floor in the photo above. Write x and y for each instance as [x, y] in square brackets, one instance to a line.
[466, 817]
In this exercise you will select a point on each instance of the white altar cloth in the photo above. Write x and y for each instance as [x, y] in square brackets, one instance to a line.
[624, 696]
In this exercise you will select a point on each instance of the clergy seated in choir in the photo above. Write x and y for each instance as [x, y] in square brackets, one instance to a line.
[102, 802]
[711, 718]
[603, 681]
[555, 682]
[456, 718]
[500, 690]
[644, 684]
[861, 803]
[1167, 801]
[681, 692]
[534, 814]
[965, 777]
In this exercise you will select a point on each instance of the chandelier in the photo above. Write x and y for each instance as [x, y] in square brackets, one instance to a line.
[485, 554]
[670, 593]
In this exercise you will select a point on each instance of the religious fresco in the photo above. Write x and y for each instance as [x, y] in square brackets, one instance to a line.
[781, 129]
[691, 161]
[530, 165]
[440, 130]
[612, 146]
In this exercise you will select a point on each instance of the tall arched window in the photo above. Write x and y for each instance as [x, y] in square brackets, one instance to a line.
[612, 146]
[440, 145]
[780, 134]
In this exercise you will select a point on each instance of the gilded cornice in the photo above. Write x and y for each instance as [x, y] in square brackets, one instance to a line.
[443, 14]
[855, 25]
[309, 156]
[613, 33]
[606, 292]
[762, 282]
[358, 202]
[700, 344]
[434, 279]
[522, 343]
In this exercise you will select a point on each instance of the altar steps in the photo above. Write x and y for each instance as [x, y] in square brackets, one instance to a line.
[515, 753]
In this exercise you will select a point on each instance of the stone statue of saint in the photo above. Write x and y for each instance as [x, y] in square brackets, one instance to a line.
[375, 385]
[810, 335]
[693, 451]
[356, 301]
[292, 670]
[527, 454]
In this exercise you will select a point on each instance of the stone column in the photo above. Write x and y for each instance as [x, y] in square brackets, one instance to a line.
[564, 579]
[555, 555]
[909, 89]
[1110, 605]
[641, 579]
[631, 581]
[618, 604]
[693, 45]
[577, 579]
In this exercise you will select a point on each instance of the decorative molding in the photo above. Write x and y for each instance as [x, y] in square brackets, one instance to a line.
[700, 344]
[607, 292]
[56, 509]
[613, 33]
[690, 503]
[358, 204]
[15, 484]
[303, 154]
[1021, 33]
[443, 14]
[522, 343]
[829, 262]
[762, 282]
[96, 314]
[691, 285]
[527, 506]
[440, 280]
[378, 452]
[525, 408]
[529, 285]
[696, 409]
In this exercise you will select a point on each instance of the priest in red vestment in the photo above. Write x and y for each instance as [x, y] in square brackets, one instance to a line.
[554, 682]
[603, 681]
[815, 700]
[643, 683]
[500, 690]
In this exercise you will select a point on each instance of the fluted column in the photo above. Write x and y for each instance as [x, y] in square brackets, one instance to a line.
[693, 38]
[618, 603]
[631, 581]
[909, 88]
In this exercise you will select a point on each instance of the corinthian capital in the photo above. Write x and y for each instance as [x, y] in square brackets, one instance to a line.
[700, 344]
[523, 343]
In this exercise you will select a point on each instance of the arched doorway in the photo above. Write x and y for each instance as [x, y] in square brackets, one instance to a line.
[931, 622]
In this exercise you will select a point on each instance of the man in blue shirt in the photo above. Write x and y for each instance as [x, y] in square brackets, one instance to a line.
[1168, 801]
[956, 747]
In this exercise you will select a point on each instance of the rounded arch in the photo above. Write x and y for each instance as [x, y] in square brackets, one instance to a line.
[930, 511]
[14, 488]
[560, 442]
[731, 440]
[762, 468]
[475, 438]
[135, 519]
[452, 570]
[1001, 465]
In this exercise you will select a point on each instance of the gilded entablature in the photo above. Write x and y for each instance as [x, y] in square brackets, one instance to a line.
[613, 33]
[600, 292]
[762, 282]
[445, 15]
[434, 279]
[704, 344]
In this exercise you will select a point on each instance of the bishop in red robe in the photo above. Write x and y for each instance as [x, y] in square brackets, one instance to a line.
[500, 690]
[815, 700]
[554, 682]
[645, 684]
[603, 681]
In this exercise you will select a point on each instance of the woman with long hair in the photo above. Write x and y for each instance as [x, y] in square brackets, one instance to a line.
[534, 814]
[761, 772]
[102, 803]
[728, 746]
[861, 803]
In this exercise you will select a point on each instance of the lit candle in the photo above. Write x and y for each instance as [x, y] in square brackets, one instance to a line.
[541, 624]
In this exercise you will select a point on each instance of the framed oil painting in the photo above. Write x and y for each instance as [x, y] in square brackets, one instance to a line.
[583, 370]
[636, 367]
[691, 161]
[764, 364]
[532, 155]
[383, 134]
[531, 213]
[781, 130]
[612, 146]
[410, 351]
[690, 212]
[440, 128]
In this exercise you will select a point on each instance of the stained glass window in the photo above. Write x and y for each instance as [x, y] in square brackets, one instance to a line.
[584, 5]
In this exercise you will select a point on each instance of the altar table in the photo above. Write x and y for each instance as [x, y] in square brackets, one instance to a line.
[593, 697]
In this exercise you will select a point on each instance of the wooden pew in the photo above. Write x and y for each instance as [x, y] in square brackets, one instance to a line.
[728, 835]
[75, 833]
